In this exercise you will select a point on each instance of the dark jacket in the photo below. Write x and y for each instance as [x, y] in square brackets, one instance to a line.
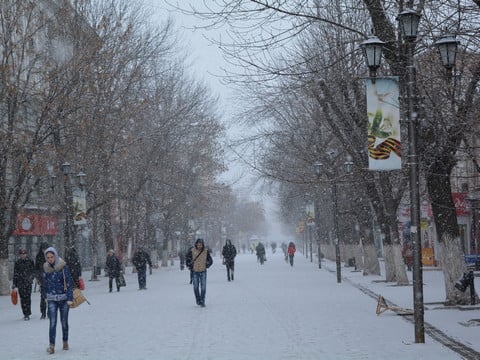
[23, 273]
[260, 249]
[40, 260]
[194, 257]
[73, 262]
[229, 252]
[113, 266]
[141, 259]
[57, 280]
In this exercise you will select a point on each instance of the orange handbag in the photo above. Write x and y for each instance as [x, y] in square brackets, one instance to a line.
[14, 296]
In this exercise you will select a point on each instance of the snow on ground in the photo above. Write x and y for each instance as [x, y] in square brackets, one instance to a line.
[272, 311]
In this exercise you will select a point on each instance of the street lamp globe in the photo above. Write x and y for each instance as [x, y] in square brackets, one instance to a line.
[408, 21]
[447, 46]
[318, 167]
[65, 168]
[81, 178]
[348, 166]
[372, 50]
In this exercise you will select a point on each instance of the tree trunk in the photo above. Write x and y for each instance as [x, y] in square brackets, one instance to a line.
[450, 247]
[370, 258]
[4, 280]
[450, 253]
[398, 263]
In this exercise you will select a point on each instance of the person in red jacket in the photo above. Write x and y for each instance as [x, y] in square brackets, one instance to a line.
[291, 252]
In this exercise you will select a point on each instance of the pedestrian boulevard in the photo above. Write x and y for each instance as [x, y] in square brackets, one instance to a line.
[270, 311]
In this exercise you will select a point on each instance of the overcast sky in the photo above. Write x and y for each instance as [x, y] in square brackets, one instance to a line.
[208, 65]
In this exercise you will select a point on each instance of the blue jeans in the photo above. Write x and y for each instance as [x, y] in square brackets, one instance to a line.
[53, 308]
[200, 286]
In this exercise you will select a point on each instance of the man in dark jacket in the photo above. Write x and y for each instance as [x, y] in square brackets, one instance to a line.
[23, 274]
[39, 261]
[140, 260]
[113, 268]
[199, 260]
[229, 252]
[260, 253]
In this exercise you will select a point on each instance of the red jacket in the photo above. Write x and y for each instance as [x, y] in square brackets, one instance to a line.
[291, 249]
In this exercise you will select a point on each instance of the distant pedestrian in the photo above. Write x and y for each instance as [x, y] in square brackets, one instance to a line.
[73, 262]
[199, 260]
[23, 274]
[39, 261]
[291, 252]
[113, 268]
[260, 249]
[140, 260]
[229, 252]
[58, 287]
[284, 250]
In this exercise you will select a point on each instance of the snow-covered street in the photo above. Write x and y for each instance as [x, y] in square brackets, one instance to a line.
[273, 311]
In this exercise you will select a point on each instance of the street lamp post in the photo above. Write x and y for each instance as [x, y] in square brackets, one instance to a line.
[332, 178]
[408, 21]
[447, 45]
[69, 232]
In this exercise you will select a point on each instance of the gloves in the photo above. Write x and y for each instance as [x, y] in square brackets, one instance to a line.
[69, 303]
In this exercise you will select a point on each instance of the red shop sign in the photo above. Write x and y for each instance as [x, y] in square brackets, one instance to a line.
[35, 224]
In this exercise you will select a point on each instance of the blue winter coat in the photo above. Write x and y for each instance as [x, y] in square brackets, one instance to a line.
[55, 278]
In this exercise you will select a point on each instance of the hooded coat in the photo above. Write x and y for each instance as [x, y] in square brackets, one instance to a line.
[57, 281]
[199, 260]
[229, 252]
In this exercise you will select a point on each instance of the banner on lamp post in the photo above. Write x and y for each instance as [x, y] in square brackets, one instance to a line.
[310, 214]
[384, 145]
[79, 207]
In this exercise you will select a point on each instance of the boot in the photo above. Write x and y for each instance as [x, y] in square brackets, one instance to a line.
[51, 349]
[65, 345]
[231, 275]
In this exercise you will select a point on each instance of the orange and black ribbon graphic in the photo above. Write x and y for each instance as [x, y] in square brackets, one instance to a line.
[383, 150]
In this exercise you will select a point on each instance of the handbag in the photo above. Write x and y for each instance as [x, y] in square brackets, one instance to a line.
[14, 296]
[81, 284]
[78, 297]
[121, 280]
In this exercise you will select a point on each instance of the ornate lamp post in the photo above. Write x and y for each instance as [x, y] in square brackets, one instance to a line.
[69, 231]
[408, 22]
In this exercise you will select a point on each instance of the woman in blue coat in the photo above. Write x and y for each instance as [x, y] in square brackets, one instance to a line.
[58, 288]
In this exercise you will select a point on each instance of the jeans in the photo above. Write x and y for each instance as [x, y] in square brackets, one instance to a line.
[53, 308]
[200, 286]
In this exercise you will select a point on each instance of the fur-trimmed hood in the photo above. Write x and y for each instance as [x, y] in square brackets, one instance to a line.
[58, 265]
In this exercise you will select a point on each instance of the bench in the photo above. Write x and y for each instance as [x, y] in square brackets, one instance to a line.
[473, 261]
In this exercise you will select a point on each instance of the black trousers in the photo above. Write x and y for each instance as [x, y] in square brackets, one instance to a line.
[25, 293]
